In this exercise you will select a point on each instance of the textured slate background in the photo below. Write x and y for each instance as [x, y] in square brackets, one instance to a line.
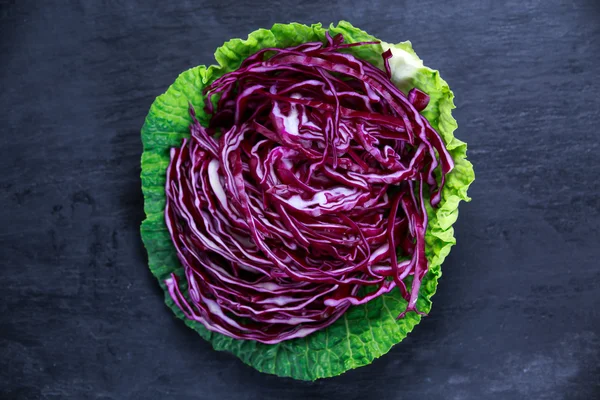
[517, 312]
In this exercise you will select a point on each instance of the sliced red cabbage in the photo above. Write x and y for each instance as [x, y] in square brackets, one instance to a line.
[307, 199]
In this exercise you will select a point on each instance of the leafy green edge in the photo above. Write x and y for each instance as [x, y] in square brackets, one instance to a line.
[364, 332]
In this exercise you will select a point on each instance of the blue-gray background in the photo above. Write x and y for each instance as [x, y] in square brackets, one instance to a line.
[517, 311]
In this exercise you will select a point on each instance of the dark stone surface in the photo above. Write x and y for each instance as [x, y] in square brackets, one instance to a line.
[517, 311]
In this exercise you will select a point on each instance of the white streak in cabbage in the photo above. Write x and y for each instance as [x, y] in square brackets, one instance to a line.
[403, 64]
